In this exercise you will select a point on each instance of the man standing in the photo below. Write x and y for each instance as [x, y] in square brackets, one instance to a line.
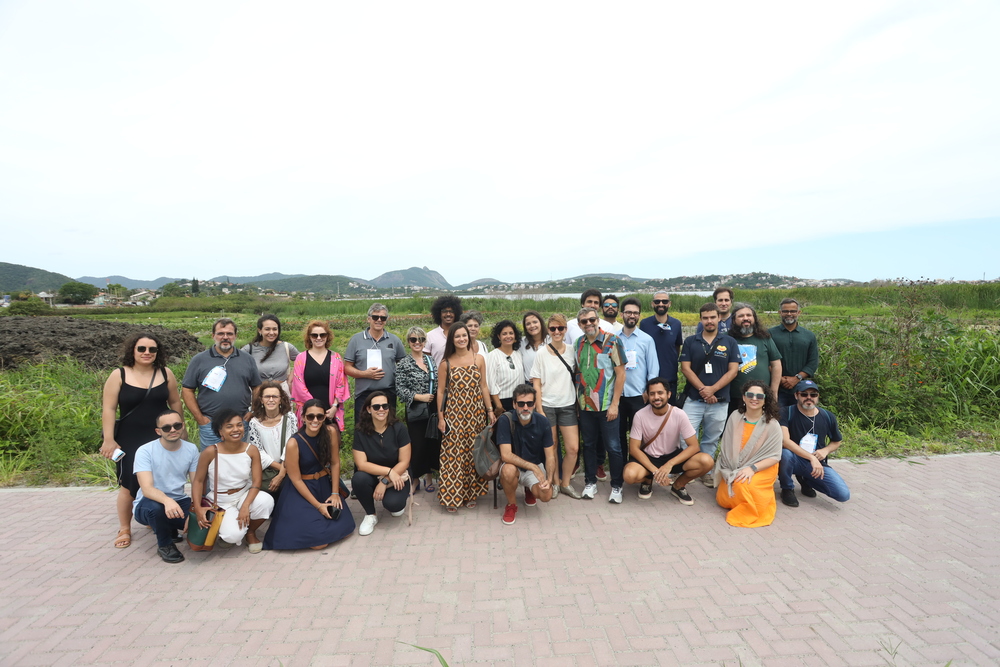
[445, 311]
[759, 358]
[811, 435]
[371, 358]
[641, 365]
[609, 307]
[590, 298]
[223, 376]
[162, 467]
[723, 297]
[666, 334]
[600, 380]
[526, 451]
[798, 348]
[709, 362]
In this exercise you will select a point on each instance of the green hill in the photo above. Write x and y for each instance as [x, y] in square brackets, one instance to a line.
[319, 284]
[16, 278]
[413, 276]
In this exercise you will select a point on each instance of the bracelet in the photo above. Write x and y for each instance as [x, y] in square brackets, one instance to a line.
[753, 467]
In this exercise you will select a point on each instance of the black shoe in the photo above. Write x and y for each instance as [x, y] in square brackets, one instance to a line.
[788, 497]
[170, 554]
[645, 490]
[682, 495]
[807, 490]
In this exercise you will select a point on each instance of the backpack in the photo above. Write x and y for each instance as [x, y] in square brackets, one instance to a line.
[486, 454]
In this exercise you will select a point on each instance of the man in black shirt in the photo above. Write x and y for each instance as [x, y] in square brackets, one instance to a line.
[525, 443]
[810, 436]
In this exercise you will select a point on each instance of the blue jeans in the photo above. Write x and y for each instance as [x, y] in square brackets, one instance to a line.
[710, 418]
[151, 513]
[832, 484]
[206, 436]
[595, 426]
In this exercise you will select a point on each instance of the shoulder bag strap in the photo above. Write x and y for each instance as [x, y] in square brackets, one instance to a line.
[144, 396]
[284, 427]
[560, 358]
[303, 440]
[215, 484]
[643, 445]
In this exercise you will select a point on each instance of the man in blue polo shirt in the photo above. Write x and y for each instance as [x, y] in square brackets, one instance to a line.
[641, 365]
[709, 361]
[526, 451]
[371, 358]
[668, 338]
[723, 297]
[811, 435]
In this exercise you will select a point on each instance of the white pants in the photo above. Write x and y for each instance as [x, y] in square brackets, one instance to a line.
[230, 530]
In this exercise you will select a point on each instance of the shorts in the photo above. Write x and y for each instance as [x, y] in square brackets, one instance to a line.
[561, 416]
[660, 461]
[527, 477]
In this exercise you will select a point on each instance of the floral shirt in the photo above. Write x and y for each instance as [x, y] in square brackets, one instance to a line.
[596, 363]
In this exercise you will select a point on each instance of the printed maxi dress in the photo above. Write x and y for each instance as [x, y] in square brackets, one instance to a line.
[465, 416]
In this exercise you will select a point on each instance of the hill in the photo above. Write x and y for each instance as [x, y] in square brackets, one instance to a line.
[479, 283]
[17, 277]
[129, 282]
[413, 276]
[318, 284]
[256, 280]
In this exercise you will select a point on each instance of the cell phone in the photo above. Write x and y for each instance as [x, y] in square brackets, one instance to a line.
[118, 455]
[210, 516]
[334, 513]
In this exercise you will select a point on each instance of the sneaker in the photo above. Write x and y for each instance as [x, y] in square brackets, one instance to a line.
[399, 513]
[708, 480]
[590, 491]
[368, 524]
[616, 495]
[509, 514]
[788, 497]
[570, 491]
[601, 475]
[529, 498]
[645, 491]
[170, 554]
[682, 495]
[807, 490]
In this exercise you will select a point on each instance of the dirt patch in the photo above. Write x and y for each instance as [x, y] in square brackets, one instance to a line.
[95, 343]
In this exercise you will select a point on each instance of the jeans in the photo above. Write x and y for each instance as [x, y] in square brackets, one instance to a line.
[627, 407]
[363, 484]
[595, 426]
[785, 398]
[711, 418]
[206, 436]
[151, 513]
[832, 484]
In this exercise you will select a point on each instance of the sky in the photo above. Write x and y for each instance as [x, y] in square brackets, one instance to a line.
[518, 141]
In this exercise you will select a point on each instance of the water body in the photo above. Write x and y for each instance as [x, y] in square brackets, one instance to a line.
[575, 295]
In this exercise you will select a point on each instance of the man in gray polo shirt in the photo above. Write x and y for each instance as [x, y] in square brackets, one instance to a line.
[371, 358]
[223, 377]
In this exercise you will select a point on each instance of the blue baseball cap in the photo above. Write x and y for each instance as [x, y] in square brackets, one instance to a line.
[806, 384]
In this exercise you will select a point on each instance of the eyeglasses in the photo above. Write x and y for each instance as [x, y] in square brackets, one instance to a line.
[270, 398]
[167, 428]
[754, 395]
[380, 406]
[809, 394]
[414, 339]
[317, 336]
[525, 404]
[789, 312]
[631, 312]
[660, 301]
[225, 334]
[142, 348]
[589, 320]
[557, 329]
[379, 318]
[313, 417]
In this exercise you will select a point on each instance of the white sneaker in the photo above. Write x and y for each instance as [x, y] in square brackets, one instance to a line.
[399, 513]
[590, 491]
[616, 495]
[368, 524]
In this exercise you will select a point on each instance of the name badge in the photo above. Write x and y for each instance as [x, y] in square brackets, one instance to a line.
[630, 360]
[215, 378]
[808, 442]
[374, 359]
[708, 367]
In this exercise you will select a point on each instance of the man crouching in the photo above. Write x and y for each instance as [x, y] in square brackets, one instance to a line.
[525, 443]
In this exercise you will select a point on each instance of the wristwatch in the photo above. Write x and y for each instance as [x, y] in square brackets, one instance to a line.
[753, 467]
[385, 480]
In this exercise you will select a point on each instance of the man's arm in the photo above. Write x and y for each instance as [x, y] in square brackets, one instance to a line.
[616, 394]
[170, 506]
[507, 455]
[191, 402]
[775, 376]
[725, 381]
[812, 359]
[354, 372]
[792, 446]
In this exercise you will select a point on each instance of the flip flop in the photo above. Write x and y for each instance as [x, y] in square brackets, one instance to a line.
[471, 505]
[429, 487]
[123, 542]
[451, 510]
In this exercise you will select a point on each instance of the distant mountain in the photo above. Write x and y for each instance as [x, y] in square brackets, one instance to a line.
[478, 283]
[16, 278]
[256, 280]
[613, 276]
[412, 276]
[129, 282]
[318, 284]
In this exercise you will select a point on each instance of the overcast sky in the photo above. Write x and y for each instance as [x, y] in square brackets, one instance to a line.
[518, 141]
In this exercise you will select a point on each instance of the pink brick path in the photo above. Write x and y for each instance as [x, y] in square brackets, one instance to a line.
[913, 559]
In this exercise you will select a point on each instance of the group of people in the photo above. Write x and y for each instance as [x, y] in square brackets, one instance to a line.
[270, 418]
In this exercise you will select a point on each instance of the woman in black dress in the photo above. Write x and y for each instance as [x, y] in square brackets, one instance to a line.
[381, 459]
[138, 392]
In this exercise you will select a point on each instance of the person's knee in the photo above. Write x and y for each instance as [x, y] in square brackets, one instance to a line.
[395, 502]
[509, 475]
[699, 464]
[634, 473]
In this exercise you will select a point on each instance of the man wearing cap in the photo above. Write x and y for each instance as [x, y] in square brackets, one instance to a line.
[798, 348]
[810, 436]
[667, 337]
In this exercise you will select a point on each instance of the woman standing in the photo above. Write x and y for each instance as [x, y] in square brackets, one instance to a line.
[381, 459]
[555, 397]
[273, 423]
[534, 339]
[463, 411]
[319, 374]
[139, 390]
[273, 356]
[309, 513]
[416, 385]
[748, 456]
[504, 369]
[473, 320]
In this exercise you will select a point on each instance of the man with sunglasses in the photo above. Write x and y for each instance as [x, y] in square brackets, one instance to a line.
[162, 467]
[371, 358]
[590, 298]
[609, 308]
[527, 451]
[667, 337]
[810, 436]
[799, 351]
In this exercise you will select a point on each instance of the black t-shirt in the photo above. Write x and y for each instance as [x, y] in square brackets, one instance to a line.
[317, 379]
[529, 442]
[382, 450]
[825, 426]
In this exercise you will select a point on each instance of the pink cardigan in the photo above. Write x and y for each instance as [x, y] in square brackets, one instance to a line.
[340, 391]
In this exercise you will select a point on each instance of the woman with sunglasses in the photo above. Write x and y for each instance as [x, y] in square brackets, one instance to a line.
[416, 385]
[272, 424]
[748, 458]
[310, 513]
[504, 367]
[138, 391]
[534, 339]
[273, 356]
[319, 374]
[381, 460]
[555, 398]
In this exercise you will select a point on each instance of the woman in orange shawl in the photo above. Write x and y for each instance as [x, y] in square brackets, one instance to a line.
[748, 459]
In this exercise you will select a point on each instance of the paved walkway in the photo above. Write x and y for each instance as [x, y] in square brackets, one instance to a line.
[911, 564]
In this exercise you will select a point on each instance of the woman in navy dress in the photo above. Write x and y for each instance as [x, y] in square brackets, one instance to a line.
[310, 495]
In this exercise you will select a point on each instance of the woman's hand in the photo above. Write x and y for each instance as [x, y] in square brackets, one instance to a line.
[277, 479]
[493, 418]
[743, 475]
[441, 424]
[108, 448]
[324, 510]
[202, 514]
[379, 491]
[243, 518]
[334, 500]
[332, 412]
[396, 479]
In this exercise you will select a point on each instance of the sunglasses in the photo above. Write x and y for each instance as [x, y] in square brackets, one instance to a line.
[414, 339]
[753, 394]
[380, 406]
[557, 329]
[525, 404]
[167, 428]
[142, 348]
[317, 336]
[379, 318]
[313, 417]
[809, 394]
[510, 362]
[589, 320]
[660, 301]
[609, 304]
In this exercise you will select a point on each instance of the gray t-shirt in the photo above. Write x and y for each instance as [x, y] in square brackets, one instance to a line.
[241, 376]
[170, 468]
[276, 366]
[392, 351]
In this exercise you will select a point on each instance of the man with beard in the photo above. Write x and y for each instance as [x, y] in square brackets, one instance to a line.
[723, 297]
[445, 311]
[667, 337]
[798, 348]
[609, 307]
[759, 358]
[526, 451]
[223, 377]
[591, 298]
[810, 436]
[641, 365]
[709, 361]
[655, 447]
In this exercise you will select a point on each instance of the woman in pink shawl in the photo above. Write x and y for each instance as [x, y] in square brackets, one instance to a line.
[319, 373]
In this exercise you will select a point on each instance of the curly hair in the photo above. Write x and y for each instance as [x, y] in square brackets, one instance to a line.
[770, 402]
[758, 329]
[446, 301]
[365, 423]
[257, 405]
[220, 418]
[498, 329]
[324, 442]
[128, 350]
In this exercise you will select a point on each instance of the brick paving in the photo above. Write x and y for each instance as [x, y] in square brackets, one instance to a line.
[913, 560]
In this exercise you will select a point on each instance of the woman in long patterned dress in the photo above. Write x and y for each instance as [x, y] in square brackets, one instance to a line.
[463, 412]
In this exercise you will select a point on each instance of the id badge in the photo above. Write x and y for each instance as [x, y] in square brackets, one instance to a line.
[374, 359]
[708, 367]
[808, 442]
[215, 378]
[630, 360]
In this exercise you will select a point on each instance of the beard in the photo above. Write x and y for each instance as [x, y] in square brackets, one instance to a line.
[660, 310]
[789, 320]
[746, 330]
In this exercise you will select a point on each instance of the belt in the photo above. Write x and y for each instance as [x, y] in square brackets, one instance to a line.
[316, 475]
[232, 491]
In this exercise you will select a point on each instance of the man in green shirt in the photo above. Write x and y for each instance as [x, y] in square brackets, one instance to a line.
[798, 348]
[759, 358]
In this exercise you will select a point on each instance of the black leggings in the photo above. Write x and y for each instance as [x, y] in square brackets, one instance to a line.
[363, 484]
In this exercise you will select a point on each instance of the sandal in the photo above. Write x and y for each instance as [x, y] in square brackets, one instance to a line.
[123, 542]
[471, 504]
[451, 510]
[429, 487]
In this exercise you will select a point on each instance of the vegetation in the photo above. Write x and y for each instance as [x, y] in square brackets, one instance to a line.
[17, 278]
[32, 306]
[77, 293]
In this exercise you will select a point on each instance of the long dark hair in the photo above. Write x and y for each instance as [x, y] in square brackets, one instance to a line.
[365, 423]
[498, 329]
[758, 329]
[770, 402]
[541, 329]
[128, 350]
[257, 405]
[324, 443]
[259, 338]
[449, 346]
